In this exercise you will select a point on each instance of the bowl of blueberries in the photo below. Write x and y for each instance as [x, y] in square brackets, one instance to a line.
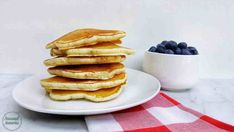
[174, 64]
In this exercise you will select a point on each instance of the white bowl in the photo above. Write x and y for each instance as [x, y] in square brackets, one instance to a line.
[175, 72]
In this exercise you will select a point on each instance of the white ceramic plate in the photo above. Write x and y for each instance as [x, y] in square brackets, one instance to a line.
[141, 87]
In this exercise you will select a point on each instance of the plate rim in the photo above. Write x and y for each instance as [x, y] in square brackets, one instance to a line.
[85, 112]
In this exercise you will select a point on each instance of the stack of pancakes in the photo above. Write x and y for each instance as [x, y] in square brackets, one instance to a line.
[87, 65]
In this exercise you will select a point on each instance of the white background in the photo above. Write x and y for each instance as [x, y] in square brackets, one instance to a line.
[26, 26]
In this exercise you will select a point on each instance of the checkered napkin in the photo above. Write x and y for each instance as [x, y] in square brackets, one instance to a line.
[162, 113]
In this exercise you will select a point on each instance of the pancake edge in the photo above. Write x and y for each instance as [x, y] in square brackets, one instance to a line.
[87, 75]
[85, 87]
[63, 61]
[99, 52]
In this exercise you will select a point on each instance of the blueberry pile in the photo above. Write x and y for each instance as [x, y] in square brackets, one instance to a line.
[171, 47]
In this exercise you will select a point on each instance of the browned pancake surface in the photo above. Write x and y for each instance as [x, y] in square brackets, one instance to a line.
[87, 33]
[104, 45]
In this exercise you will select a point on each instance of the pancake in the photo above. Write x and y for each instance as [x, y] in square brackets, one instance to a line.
[95, 96]
[57, 52]
[98, 71]
[100, 49]
[84, 37]
[82, 84]
[62, 61]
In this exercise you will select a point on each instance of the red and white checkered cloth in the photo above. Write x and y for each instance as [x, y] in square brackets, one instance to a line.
[162, 113]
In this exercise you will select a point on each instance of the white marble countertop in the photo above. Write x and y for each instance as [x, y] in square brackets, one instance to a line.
[213, 97]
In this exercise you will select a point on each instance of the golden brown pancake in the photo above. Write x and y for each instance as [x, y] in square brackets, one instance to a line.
[57, 52]
[82, 84]
[62, 61]
[84, 37]
[96, 96]
[100, 49]
[96, 71]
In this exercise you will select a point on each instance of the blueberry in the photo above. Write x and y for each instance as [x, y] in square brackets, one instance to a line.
[182, 45]
[177, 51]
[185, 52]
[164, 42]
[160, 50]
[193, 50]
[172, 42]
[152, 49]
[169, 51]
[171, 45]
[160, 45]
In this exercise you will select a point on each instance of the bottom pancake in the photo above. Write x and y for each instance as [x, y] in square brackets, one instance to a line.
[95, 96]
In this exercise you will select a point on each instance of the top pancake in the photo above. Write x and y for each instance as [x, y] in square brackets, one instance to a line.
[84, 37]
